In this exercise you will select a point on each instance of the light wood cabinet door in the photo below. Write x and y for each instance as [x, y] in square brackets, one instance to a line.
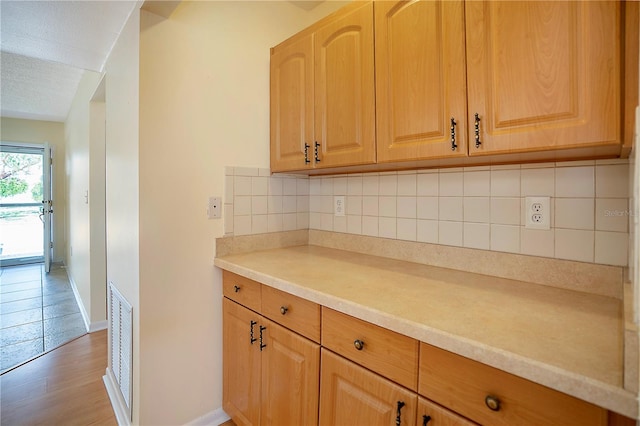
[420, 80]
[431, 414]
[241, 360]
[292, 105]
[345, 89]
[290, 378]
[543, 75]
[351, 395]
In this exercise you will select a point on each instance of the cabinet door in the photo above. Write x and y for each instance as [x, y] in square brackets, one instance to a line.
[292, 105]
[241, 360]
[420, 80]
[344, 89]
[290, 378]
[351, 395]
[431, 414]
[543, 75]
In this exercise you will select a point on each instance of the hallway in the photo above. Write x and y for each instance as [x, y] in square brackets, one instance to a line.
[38, 312]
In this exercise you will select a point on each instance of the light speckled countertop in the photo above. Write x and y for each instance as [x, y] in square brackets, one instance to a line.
[564, 339]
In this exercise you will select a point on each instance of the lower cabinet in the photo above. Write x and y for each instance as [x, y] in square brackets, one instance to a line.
[351, 395]
[276, 373]
[271, 374]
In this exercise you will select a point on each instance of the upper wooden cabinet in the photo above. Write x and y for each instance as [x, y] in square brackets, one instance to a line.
[454, 83]
[323, 94]
[420, 80]
[292, 105]
[543, 75]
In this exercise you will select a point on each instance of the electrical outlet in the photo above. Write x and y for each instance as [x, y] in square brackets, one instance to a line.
[537, 213]
[338, 205]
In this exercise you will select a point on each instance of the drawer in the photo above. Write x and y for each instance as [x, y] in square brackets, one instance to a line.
[437, 415]
[242, 290]
[385, 352]
[463, 385]
[299, 315]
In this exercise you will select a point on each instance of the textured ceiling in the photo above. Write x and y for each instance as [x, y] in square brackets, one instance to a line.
[47, 45]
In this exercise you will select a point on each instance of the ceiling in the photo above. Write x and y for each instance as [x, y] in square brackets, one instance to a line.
[45, 48]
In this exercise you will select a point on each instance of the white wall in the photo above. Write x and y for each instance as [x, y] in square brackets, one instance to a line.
[34, 131]
[204, 104]
[79, 140]
[122, 189]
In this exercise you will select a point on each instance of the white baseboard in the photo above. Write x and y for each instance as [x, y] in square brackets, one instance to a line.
[213, 418]
[98, 325]
[83, 311]
[119, 407]
[90, 326]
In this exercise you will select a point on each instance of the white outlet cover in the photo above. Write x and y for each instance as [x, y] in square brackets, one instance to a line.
[338, 205]
[541, 208]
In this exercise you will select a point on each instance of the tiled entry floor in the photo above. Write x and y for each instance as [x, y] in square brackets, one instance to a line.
[38, 312]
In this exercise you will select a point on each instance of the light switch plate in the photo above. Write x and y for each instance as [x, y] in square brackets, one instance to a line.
[214, 208]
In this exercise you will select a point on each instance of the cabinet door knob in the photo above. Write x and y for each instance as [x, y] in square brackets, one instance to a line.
[425, 419]
[359, 344]
[492, 402]
[236, 288]
[283, 310]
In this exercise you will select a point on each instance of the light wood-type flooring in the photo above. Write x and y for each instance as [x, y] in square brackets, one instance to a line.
[62, 387]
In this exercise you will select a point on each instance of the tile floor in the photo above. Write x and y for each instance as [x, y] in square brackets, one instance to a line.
[38, 312]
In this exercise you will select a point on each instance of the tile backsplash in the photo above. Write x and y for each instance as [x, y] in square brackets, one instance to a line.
[475, 207]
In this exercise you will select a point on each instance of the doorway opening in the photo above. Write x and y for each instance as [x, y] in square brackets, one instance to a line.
[26, 208]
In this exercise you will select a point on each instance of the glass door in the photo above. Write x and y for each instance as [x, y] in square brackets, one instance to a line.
[25, 204]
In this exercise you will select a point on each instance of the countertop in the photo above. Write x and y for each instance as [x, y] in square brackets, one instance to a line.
[564, 339]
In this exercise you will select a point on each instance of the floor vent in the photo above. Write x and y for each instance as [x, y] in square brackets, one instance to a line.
[121, 356]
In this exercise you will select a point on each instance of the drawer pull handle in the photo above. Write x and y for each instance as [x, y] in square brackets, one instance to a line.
[399, 413]
[359, 344]
[492, 402]
[253, 339]
[262, 345]
[283, 310]
[425, 419]
[236, 288]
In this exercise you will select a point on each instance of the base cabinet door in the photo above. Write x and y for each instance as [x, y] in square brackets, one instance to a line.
[271, 374]
[290, 377]
[241, 359]
[351, 395]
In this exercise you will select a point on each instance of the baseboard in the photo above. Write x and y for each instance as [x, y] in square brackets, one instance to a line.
[119, 407]
[90, 326]
[76, 293]
[212, 418]
[98, 325]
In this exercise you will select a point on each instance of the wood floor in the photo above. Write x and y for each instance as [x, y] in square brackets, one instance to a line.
[62, 387]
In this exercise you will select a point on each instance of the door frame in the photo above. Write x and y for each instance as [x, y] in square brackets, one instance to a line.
[45, 205]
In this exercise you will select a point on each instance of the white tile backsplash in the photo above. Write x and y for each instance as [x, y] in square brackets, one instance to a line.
[478, 207]
[451, 184]
[574, 213]
[477, 183]
[574, 244]
[575, 182]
